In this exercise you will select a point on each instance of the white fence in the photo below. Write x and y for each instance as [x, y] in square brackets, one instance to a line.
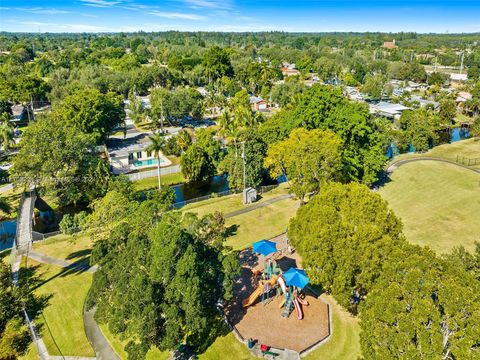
[175, 169]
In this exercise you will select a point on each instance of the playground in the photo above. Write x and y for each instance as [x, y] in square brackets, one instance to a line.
[274, 306]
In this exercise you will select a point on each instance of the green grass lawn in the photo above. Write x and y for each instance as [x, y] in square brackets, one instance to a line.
[227, 204]
[344, 343]
[226, 348]
[262, 223]
[438, 203]
[152, 183]
[61, 321]
[119, 345]
[68, 247]
[469, 148]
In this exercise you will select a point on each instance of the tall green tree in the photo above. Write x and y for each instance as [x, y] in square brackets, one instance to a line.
[307, 158]
[92, 112]
[421, 307]
[253, 155]
[345, 234]
[217, 63]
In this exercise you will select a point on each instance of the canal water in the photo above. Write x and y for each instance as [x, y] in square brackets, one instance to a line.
[7, 233]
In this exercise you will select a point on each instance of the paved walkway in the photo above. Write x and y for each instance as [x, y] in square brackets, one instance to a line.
[101, 346]
[6, 188]
[79, 265]
[258, 205]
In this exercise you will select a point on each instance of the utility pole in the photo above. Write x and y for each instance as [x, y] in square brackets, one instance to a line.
[461, 63]
[161, 116]
[244, 167]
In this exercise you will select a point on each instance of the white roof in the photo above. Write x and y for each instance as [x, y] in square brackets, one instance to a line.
[459, 77]
[387, 108]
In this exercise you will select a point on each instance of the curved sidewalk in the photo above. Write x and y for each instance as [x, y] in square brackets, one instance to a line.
[100, 344]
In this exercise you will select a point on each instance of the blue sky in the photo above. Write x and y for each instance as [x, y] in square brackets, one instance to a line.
[235, 15]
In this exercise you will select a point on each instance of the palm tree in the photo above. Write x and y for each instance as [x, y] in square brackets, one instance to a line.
[157, 145]
[183, 140]
[6, 132]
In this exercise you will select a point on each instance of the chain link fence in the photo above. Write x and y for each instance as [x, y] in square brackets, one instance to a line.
[467, 161]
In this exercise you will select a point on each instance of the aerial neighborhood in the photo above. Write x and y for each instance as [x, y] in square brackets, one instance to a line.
[180, 182]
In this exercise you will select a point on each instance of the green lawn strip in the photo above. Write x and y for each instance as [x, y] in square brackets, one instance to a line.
[468, 148]
[152, 182]
[68, 247]
[344, 343]
[226, 348]
[261, 223]
[119, 345]
[61, 321]
[227, 204]
[437, 202]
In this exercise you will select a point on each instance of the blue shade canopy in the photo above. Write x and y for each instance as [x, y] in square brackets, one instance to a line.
[264, 247]
[296, 277]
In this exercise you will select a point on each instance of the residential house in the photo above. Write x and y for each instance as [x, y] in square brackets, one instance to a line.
[289, 70]
[435, 105]
[387, 109]
[258, 104]
[128, 155]
[457, 79]
[390, 44]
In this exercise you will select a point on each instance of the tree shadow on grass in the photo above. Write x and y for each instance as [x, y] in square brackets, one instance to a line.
[75, 268]
[231, 230]
[79, 254]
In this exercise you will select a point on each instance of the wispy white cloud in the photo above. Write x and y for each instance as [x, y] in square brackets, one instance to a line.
[63, 27]
[37, 10]
[209, 4]
[100, 3]
[177, 15]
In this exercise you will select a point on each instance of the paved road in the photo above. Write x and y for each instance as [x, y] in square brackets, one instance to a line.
[258, 205]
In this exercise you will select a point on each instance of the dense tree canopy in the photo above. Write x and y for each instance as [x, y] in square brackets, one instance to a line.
[323, 107]
[307, 158]
[344, 235]
[92, 112]
[160, 274]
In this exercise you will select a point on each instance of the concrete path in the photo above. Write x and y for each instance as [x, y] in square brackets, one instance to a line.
[24, 225]
[100, 345]
[6, 188]
[258, 205]
[79, 265]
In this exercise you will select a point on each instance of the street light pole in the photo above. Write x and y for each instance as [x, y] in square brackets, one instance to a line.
[244, 167]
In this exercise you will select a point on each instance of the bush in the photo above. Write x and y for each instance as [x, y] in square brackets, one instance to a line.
[70, 224]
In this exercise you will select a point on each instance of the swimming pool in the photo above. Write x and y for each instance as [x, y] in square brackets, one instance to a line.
[149, 162]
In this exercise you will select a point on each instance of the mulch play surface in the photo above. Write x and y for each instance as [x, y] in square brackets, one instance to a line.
[264, 323]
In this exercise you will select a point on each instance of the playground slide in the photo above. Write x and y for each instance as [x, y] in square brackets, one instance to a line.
[258, 291]
[298, 308]
[253, 296]
[304, 302]
[281, 282]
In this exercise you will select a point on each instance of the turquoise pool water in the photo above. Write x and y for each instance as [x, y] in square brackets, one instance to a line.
[149, 162]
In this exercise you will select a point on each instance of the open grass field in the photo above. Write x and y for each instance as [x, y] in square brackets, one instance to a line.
[468, 148]
[68, 247]
[439, 204]
[227, 348]
[262, 223]
[344, 343]
[227, 204]
[61, 320]
[152, 183]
